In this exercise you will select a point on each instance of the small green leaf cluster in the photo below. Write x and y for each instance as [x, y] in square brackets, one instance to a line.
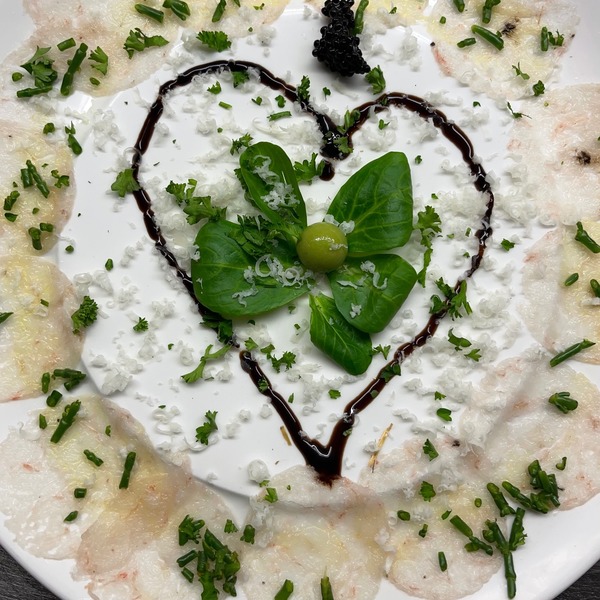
[256, 265]
[215, 565]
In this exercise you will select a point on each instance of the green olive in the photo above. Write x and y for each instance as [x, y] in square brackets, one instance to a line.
[322, 247]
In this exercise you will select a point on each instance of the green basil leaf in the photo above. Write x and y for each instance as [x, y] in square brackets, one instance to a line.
[333, 335]
[368, 292]
[271, 184]
[378, 199]
[220, 278]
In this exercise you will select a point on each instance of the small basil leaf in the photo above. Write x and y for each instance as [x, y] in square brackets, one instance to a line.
[221, 274]
[378, 199]
[271, 184]
[368, 292]
[333, 335]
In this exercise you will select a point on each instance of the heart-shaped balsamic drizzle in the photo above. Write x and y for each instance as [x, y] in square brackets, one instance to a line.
[326, 459]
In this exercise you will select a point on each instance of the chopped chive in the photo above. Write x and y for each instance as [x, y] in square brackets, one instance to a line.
[460, 5]
[544, 41]
[563, 401]
[285, 591]
[466, 42]
[442, 561]
[571, 279]
[509, 569]
[66, 420]
[403, 515]
[54, 398]
[93, 458]
[423, 530]
[225, 105]
[66, 44]
[129, 462]
[499, 500]
[280, 115]
[571, 351]
[489, 36]
[42, 421]
[4, 316]
[180, 8]
[34, 91]
[326, 591]
[45, 382]
[152, 13]
[71, 516]
[187, 558]
[80, 492]
[35, 178]
[584, 238]
[187, 574]
[74, 64]
[595, 287]
[562, 464]
[476, 543]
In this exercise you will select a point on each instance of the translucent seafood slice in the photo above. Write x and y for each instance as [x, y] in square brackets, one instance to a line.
[105, 24]
[511, 422]
[38, 336]
[558, 315]
[559, 142]
[482, 66]
[124, 540]
[414, 544]
[18, 145]
[314, 530]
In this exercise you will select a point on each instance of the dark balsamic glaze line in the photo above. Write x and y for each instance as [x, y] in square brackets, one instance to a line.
[326, 459]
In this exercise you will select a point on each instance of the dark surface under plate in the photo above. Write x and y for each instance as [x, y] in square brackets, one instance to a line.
[17, 584]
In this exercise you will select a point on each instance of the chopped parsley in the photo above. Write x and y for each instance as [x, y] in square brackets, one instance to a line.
[138, 41]
[429, 450]
[307, 170]
[376, 79]
[85, 315]
[455, 302]
[427, 491]
[141, 325]
[210, 426]
[215, 40]
[125, 183]
[198, 372]
[303, 89]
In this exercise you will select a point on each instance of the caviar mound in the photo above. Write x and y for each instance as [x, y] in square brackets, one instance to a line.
[338, 47]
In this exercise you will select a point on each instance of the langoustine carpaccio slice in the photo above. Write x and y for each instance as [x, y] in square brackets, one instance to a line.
[105, 24]
[511, 422]
[558, 141]
[47, 201]
[38, 336]
[487, 69]
[124, 541]
[556, 314]
[414, 544]
[315, 530]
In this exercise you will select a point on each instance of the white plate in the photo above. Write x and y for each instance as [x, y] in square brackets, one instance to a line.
[542, 574]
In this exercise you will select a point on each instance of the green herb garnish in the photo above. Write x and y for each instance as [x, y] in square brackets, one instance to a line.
[210, 425]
